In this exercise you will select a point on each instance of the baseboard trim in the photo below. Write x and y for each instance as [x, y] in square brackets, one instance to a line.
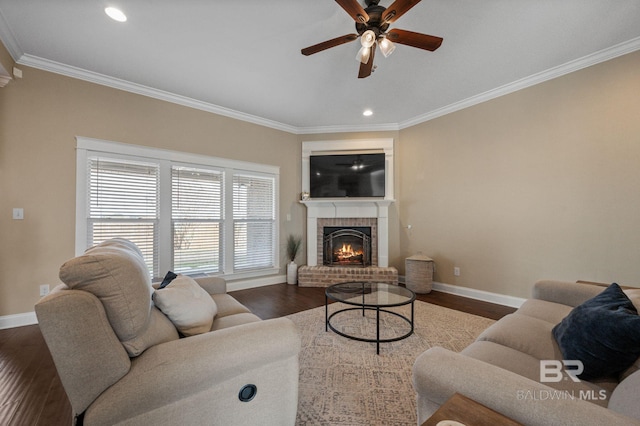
[255, 282]
[485, 296]
[471, 293]
[18, 320]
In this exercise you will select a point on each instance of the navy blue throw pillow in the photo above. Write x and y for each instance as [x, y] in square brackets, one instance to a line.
[603, 333]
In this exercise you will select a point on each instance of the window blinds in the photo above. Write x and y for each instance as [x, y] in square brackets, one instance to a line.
[123, 202]
[189, 214]
[197, 213]
[253, 222]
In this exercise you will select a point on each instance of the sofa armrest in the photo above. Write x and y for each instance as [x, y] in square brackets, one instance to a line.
[439, 373]
[624, 398]
[213, 285]
[566, 293]
[264, 353]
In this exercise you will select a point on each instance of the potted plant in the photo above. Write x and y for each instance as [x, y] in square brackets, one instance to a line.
[294, 243]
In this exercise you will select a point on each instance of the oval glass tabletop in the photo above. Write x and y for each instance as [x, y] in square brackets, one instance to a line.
[370, 294]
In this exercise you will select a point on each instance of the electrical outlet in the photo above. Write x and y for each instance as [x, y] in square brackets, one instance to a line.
[456, 271]
[44, 289]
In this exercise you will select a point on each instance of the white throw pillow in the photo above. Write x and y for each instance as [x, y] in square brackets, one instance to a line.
[189, 307]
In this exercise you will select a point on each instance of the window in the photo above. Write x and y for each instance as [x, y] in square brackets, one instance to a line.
[123, 202]
[253, 222]
[187, 213]
[196, 213]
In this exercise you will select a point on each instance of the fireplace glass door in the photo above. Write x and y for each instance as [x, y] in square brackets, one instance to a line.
[346, 246]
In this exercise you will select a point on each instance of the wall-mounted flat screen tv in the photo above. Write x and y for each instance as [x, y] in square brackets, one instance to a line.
[350, 175]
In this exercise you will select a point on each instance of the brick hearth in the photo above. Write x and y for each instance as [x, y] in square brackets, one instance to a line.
[324, 276]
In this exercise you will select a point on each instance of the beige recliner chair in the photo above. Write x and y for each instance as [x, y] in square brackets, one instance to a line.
[122, 361]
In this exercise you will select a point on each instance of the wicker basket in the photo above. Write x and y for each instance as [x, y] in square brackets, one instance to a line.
[419, 273]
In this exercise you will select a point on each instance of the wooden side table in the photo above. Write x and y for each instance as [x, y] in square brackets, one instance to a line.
[468, 412]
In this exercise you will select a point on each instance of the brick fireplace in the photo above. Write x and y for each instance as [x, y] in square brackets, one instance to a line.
[346, 214]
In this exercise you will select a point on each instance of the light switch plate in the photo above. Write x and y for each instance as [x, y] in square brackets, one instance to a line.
[18, 213]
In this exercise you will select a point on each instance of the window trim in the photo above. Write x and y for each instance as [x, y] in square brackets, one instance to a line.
[89, 146]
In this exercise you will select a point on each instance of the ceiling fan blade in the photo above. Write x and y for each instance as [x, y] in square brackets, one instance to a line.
[397, 9]
[365, 69]
[353, 8]
[328, 44]
[421, 41]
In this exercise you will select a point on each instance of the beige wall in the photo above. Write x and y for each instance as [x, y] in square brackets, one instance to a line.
[41, 114]
[541, 183]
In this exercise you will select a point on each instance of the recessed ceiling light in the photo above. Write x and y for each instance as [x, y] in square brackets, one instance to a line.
[115, 14]
[367, 112]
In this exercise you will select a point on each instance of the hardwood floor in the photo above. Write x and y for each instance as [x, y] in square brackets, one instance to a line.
[282, 299]
[30, 389]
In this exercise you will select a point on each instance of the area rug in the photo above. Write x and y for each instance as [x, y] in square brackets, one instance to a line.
[344, 382]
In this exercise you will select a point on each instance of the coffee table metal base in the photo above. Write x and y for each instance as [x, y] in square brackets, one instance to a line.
[377, 340]
[367, 296]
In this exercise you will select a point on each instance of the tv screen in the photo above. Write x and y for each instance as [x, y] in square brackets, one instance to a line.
[350, 175]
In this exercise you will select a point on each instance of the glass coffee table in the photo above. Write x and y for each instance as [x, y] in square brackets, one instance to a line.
[370, 296]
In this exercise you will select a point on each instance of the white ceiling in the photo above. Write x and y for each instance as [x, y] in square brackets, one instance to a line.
[242, 58]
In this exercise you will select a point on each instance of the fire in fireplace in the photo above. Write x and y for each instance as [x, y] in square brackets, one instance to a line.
[346, 246]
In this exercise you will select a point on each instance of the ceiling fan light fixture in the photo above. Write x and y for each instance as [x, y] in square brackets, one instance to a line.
[115, 14]
[368, 38]
[363, 54]
[386, 47]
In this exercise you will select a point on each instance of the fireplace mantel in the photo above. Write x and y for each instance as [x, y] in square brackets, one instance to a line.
[341, 204]
[348, 208]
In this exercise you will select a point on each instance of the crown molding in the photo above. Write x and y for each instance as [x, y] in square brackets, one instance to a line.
[116, 83]
[567, 68]
[388, 127]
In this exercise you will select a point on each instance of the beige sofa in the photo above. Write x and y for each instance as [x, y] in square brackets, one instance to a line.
[123, 362]
[501, 369]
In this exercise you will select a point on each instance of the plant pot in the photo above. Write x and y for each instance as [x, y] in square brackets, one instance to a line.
[292, 273]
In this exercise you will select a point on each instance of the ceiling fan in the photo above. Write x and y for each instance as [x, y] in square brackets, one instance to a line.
[371, 26]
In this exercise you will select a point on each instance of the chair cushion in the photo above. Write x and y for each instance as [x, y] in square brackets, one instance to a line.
[233, 320]
[603, 333]
[189, 307]
[504, 357]
[523, 333]
[547, 311]
[227, 305]
[115, 272]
